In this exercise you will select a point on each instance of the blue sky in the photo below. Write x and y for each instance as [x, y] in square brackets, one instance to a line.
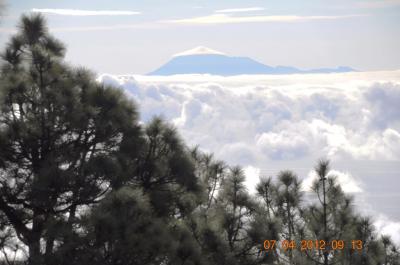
[307, 34]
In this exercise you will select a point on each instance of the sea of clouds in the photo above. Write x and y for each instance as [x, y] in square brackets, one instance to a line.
[269, 123]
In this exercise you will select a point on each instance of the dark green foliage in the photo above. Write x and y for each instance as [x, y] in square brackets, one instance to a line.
[81, 182]
[235, 209]
[61, 134]
[123, 230]
[165, 171]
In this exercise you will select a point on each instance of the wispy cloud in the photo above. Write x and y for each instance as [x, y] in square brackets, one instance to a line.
[7, 30]
[238, 10]
[228, 19]
[107, 28]
[77, 12]
[378, 3]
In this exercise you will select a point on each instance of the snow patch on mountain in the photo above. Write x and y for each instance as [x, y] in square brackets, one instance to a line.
[200, 50]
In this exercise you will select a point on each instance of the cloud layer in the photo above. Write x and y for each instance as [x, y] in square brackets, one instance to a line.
[269, 123]
[258, 119]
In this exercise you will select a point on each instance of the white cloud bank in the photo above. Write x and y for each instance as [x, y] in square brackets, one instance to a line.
[78, 12]
[269, 123]
[253, 119]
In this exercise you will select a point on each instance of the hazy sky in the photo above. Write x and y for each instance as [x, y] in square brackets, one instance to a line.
[138, 36]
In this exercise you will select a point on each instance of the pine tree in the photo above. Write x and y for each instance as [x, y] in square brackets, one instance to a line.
[165, 171]
[236, 209]
[124, 229]
[267, 224]
[266, 190]
[288, 198]
[332, 218]
[151, 225]
[204, 222]
[62, 136]
[391, 252]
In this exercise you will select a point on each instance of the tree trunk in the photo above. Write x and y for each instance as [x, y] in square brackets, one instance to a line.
[49, 250]
[35, 256]
[326, 253]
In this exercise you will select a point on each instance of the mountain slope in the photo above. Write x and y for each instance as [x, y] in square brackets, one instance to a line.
[202, 60]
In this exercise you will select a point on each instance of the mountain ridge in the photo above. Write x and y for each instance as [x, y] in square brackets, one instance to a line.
[203, 60]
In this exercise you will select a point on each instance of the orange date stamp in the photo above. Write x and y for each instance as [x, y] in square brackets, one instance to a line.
[309, 245]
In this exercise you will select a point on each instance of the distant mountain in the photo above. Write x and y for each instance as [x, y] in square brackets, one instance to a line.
[203, 60]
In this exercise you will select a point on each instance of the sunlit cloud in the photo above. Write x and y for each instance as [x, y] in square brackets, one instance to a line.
[78, 12]
[388, 227]
[239, 10]
[252, 174]
[228, 19]
[278, 118]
